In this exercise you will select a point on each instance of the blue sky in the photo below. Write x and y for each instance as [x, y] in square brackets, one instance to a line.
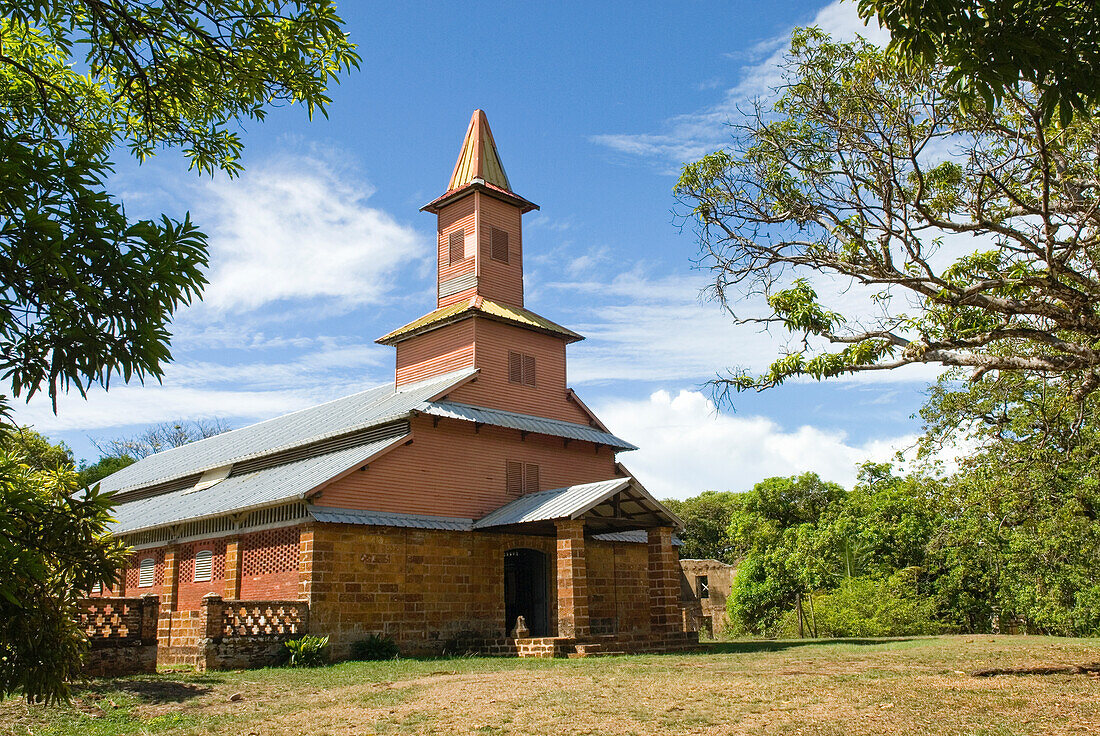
[319, 247]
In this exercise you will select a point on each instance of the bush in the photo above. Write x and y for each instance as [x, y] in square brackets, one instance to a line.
[308, 651]
[374, 648]
[868, 607]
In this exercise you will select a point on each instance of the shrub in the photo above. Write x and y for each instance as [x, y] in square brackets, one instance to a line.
[308, 651]
[375, 647]
[869, 607]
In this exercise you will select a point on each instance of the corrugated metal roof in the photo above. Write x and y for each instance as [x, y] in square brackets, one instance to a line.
[558, 503]
[523, 422]
[481, 305]
[479, 158]
[382, 518]
[351, 413]
[242, 492]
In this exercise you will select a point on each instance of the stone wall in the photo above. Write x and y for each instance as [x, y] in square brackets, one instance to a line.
[234, 634]
[434, 591]
[122, 635]
[709, 613]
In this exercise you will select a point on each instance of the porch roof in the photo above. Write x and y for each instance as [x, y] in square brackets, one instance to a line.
[618, 504]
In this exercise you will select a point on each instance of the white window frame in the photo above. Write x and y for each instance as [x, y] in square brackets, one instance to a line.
[208, 558]
[147, 566]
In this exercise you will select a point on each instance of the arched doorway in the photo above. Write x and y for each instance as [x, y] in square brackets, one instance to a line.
[525, 590]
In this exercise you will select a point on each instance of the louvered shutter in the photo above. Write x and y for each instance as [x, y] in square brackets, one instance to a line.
[529, 370]
[97, 588]
[515, 367]
[204, 562]
[531, 479]
[513, 479]
[147, 573]
[498, 245]
[457, 246]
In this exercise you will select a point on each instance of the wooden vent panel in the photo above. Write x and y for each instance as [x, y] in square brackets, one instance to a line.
[513, 474]
[498, 245]
[457, 246]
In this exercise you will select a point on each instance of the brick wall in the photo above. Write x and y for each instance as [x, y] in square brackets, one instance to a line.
[269, 564]
[122, 635]
[429, 589]
[189, 593]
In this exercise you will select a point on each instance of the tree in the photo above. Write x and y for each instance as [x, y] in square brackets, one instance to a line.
[706, 520]
[88, 293]
[36, 450]
[53, 547]
[776, 526]
[973, 232]
[97, 471]
[160, 437]
[991, 46]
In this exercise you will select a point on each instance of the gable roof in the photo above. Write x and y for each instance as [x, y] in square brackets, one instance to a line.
[478, 305]
[523, 422]
[632, 508]
[247, 491]
[316, 424]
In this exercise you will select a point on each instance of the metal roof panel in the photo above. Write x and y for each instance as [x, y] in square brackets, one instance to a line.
[351, 413]
[523, 422]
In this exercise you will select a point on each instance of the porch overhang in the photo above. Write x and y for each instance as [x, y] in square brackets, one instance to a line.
[616, 505]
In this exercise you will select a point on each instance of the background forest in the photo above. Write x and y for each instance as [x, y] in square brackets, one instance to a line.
[1008, 541]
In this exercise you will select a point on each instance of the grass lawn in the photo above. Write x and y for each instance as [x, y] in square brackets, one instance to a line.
[916, 686]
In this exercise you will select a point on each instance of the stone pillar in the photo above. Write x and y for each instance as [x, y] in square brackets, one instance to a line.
[168, 596]
[233, 568]
[150, 618]
[211, 623]
[664, 583]
[572, 580]
[306, 562]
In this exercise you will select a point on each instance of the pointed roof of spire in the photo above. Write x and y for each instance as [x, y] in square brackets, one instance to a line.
[479, 167]
[479, 158]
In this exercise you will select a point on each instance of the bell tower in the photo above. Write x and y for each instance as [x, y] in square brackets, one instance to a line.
[479, 230]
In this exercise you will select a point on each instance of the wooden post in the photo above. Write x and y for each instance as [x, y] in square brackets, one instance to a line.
[798, 605]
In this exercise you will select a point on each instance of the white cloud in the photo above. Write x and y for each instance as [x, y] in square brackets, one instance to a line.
[687, 448]
[298, 229]
[693, 135]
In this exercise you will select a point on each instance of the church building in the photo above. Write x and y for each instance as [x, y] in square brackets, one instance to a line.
[474, 493]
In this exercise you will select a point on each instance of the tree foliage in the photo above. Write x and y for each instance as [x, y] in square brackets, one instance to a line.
[52, 548]
[974, 231]
[706, 520]
[992, 46]
[88, 292]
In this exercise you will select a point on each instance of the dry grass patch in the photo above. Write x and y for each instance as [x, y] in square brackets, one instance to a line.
[919, 686]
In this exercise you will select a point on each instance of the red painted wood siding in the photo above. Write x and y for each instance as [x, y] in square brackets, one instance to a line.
[451, 470]
[547, 398]
[449, 348]
[457, 216]
[502, 282]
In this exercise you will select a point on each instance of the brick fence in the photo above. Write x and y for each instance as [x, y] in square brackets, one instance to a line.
[122, 635]
[235, 634]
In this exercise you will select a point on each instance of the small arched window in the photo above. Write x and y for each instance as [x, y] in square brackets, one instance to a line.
[203, 565]
[147, 572]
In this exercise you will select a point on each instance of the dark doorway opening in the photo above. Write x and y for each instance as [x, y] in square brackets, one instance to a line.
[525, 590]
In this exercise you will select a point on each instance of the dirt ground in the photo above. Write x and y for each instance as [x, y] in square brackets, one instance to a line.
[917, 686]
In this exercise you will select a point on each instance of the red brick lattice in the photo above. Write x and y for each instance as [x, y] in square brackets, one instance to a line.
[133, 570]
[272, 551]
[264, 618]
[112, 618]
[187, 559]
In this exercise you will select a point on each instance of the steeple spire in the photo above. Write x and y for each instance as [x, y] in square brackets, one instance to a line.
[479, 158]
